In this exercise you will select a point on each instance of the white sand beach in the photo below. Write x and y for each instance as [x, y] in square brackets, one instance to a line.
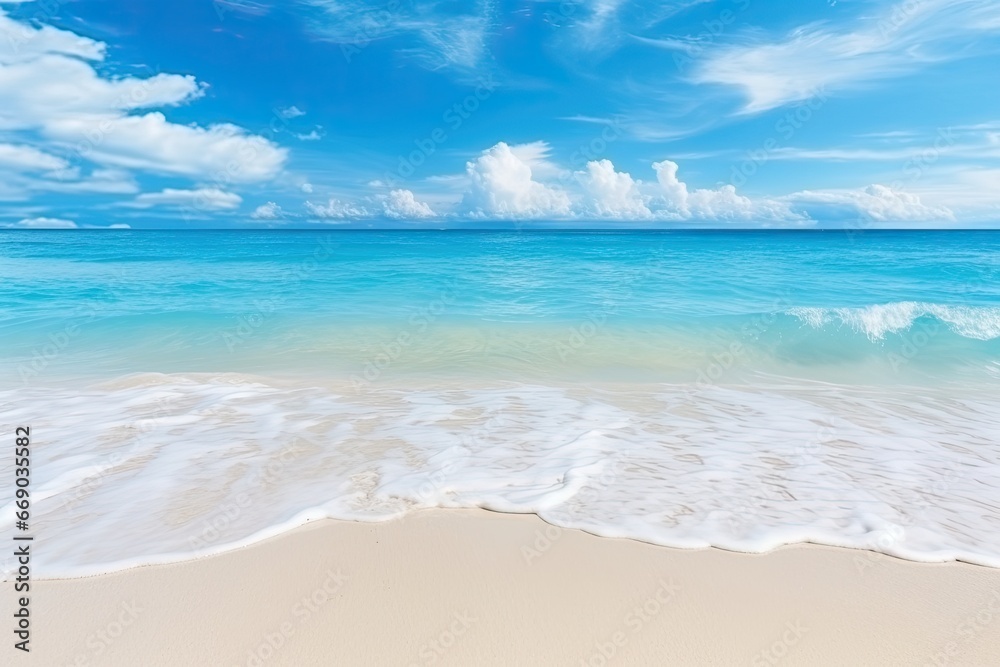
[471, 587]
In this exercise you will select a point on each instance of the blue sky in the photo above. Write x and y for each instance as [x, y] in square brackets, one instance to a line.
[482, 113]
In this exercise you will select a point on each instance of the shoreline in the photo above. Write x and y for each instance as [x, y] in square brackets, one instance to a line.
[455, 586]
[751, 469]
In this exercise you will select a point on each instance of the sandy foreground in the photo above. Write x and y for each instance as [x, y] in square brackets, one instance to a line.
[471, 587]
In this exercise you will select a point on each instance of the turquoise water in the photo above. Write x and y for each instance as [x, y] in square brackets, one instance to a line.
[674, 306]
[191, 392]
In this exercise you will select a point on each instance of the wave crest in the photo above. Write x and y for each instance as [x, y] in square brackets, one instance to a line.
[875, 321]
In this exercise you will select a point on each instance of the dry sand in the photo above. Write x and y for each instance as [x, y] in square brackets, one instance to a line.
[470, 587]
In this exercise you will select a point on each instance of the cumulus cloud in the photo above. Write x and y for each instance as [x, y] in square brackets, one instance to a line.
[501, 186]
[401, 204]
[49, 87]
[204, 199]
[722, 204]
[612, 194]
[46, 223]
[675, 191]
[876, 203]
[335, 209]
[268, 211]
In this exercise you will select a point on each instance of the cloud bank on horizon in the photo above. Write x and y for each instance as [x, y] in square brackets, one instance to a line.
[709, 113]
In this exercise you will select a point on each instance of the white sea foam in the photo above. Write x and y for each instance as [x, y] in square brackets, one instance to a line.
[875, 321]
[158, 468]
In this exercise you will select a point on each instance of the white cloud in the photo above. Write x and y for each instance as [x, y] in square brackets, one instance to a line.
[456, 42]
[291, 112]
[21, 41]
[27, 158]
[224, 153]
[875, 203]
[312, 136]
[722, 204]
[222, 7]
[968, 189]
[897, 41]
[401, 204]
[612, 194]
[268, 211]
[203, 199]
[595, 25]
[117, 225]
[103, 181]
[335, 209]
[675, 192]
[49, 88]
[46, 223]
[438, 40]
[536, 155]
[501, 186]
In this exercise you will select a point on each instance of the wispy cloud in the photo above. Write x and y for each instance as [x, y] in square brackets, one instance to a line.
[204, 199]
[436, 35]
[247, 7]
[895, 42]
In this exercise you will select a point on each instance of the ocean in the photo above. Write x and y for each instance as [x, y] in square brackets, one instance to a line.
[193, 391]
